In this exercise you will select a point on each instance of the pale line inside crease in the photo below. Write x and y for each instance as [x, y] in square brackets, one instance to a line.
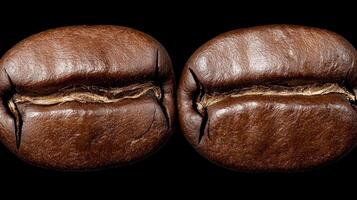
[71, 95]
[308, 90]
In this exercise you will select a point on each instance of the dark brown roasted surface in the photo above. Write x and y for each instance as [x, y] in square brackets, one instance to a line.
[86, 97]
[271, 98]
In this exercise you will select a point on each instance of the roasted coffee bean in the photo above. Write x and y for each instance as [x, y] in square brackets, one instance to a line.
[86, 97]
[271, 98]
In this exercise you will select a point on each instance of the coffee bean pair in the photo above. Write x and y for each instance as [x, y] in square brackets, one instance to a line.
[268, 98]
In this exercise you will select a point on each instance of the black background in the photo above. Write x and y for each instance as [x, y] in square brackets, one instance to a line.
[181, 27]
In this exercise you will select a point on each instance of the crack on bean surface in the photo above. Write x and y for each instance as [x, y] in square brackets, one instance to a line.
[80, 94]
[202, 99]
